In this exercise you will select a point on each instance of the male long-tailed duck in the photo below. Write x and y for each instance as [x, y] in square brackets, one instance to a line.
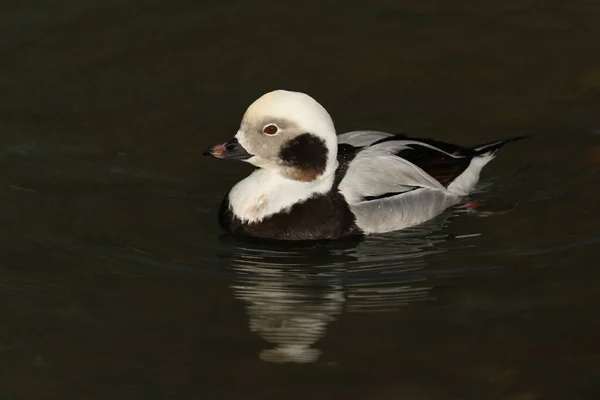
[312, 184]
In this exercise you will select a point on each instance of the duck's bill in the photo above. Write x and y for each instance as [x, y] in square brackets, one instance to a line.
[232, 150]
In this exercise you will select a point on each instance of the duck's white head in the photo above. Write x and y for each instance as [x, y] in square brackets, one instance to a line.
[286, 132]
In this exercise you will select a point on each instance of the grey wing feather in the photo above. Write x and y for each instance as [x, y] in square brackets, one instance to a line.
[395, 182]
[387, 192]
[401, 211]
[377, 170]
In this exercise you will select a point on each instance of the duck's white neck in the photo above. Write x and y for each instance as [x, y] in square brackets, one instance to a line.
[265, 193]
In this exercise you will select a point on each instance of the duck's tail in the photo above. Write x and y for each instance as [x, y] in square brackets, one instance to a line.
[493, 147]
[481, 155]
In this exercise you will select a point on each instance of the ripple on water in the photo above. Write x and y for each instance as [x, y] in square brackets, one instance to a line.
[293, 292]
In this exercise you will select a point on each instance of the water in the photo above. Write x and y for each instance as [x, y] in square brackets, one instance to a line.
[116, 281]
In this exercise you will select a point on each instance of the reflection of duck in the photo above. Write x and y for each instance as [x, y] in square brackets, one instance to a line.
[293, 293]
[291, 311]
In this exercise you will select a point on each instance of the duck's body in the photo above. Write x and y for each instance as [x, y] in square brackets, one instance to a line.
[315, 185]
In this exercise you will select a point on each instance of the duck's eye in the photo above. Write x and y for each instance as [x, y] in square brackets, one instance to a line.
[270, 129]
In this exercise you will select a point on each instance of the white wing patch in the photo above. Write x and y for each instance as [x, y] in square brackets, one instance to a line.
[395, 146]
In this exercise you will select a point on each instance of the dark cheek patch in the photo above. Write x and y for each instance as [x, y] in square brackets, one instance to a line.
[307, 154]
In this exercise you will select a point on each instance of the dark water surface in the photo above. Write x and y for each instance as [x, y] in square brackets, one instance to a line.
[117, 283]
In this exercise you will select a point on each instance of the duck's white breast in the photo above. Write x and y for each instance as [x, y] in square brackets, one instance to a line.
[265, 193]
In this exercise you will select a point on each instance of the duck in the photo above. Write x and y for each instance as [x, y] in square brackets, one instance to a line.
[313, 184]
